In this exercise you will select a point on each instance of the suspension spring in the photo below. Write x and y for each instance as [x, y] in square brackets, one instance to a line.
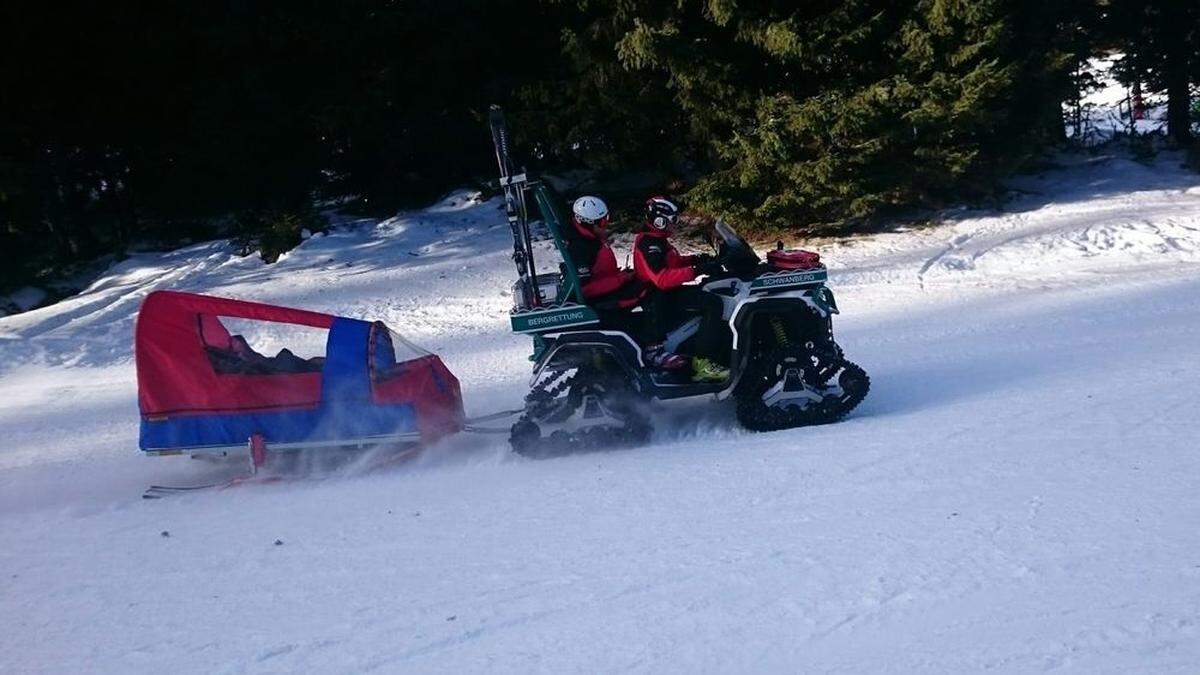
[780, 331]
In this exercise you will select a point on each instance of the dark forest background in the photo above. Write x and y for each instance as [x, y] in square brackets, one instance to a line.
[128, 124]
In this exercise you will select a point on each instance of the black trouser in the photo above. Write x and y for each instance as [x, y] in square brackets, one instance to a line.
[669, 309]
[625, 321]
[614, 317]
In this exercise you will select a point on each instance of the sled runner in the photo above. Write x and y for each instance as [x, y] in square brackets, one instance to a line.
[203, 389]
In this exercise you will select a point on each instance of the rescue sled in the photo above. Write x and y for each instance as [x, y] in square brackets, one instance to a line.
[203, 389]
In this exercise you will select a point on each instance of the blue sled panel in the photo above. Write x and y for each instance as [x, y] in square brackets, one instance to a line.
[290, 426]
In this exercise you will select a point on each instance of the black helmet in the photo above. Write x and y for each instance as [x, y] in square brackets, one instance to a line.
[661, 214]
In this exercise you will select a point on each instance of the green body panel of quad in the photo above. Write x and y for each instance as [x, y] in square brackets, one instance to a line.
[569, 309]
[569, 288]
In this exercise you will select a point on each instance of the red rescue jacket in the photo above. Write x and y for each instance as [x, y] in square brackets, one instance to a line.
[599, 275]
[655, 261]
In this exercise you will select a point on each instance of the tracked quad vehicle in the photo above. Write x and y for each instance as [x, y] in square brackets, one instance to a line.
[592, 383]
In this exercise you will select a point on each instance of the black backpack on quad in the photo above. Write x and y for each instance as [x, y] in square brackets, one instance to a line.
[591, 381]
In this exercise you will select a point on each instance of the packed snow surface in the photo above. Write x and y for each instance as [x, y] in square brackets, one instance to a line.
[1018, 493]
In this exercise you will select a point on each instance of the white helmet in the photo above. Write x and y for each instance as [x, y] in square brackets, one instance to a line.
[590, 211]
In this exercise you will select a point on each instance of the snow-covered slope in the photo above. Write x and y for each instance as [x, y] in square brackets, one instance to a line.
[1018, 493]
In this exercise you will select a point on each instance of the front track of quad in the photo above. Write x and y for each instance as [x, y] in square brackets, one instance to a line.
[580, 411]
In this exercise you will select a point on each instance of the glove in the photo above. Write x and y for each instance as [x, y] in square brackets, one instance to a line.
[708, 268]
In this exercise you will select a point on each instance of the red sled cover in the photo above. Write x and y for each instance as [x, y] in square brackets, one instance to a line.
[200, 385]
[795, 259]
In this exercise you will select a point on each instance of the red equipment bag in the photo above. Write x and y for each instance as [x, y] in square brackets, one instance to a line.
[793, 260]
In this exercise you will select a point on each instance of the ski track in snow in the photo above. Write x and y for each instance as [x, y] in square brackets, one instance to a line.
[1017, 494]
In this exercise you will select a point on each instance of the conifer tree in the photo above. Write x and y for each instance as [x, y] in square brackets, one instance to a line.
[845, 109]
[590, 110]
[1160, 45]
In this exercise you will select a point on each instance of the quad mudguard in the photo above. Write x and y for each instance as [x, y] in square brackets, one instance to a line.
[607, 348]
[752, 326]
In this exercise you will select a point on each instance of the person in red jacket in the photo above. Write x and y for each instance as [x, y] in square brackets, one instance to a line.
[604, 284]
[656, 260]
[661, 266]
[607, 288]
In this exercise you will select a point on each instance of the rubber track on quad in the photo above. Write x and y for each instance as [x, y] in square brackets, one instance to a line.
[755, 415]
[527, 439]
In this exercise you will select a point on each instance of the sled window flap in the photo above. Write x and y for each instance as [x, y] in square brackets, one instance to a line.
[232, 354]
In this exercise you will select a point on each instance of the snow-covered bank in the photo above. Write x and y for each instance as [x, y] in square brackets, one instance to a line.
[1018, 492]
[1092, 216]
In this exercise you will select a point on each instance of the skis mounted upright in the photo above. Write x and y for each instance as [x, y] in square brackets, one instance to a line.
[513, 184]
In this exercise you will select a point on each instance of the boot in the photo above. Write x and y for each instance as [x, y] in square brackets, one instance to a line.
[704, 370]
[658, 357]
